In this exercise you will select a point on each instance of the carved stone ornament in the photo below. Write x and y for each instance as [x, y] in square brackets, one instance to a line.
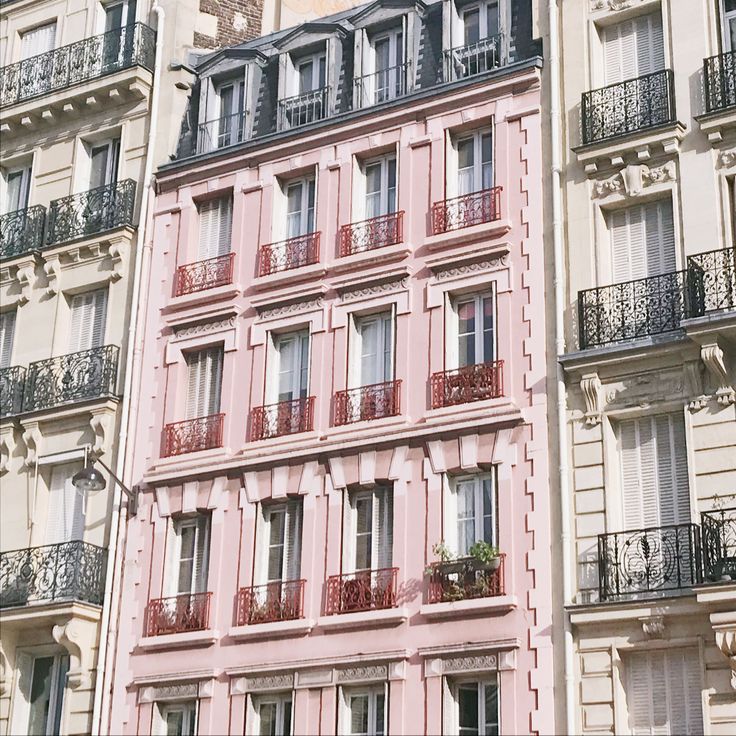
[480, 663]
[726, 642]
[592, 390]
[652, 626]
[204, 327]
[471, 268]
[358, 674]
[70, 636]
[712, 356]
[633, 179]
[727, 159]
[178, 691]
[7, 447]
[285, 309]
[270, 682]
[374, 290]
[612, 4]
[693, 372]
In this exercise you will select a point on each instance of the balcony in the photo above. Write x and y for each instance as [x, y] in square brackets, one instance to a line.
[95, 57]
[21, 231]
[377, 232]
[367, 402]
[283, 418]
[381, 86]
[718, 540]
[12, 381]
[719, 80]
[276, 601]
[204, 275]
[303, 109]
[193, 435]
[467, 210]
[469, 383]
[178, 614]
[648, 562]
[69, 379]
[712, 281]
[70, 571]
[221, 132]
[465, 579]
[474, 58]
[628, 107]
[302, 250]
[91, 213]
[367, 590]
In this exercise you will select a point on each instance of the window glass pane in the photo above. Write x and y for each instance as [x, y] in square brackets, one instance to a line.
[488, 347]
[226, 101]
[276, 545]
[383, 56]
[471, 23]
[466, 333]
[358, 714]
[363, 532]
[467, 697]
[267, 715]
[465, 493]
[175, 723]
[40, 700]
[322, 72]
[286, 720]
[489, 532]
[369, 351]
[491, 709]
[492, 20]
[487, 161]
[379, 710]
[304, 366]
[305, 77]
[186, 558]
[386, 334]
[62, 669]
[98, 166]
[391, 203]
[287, 365]
[373, 190]
[294, 210]
[309, 224]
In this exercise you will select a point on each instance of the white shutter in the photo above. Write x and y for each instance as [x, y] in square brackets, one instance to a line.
[38, 41]
[660, 237]
[204, 382]
[293, 541]
[215, 227]
[633, 48]
[201, 555]
[7, 334]
[65, 518]
[88, 318]
[383, 533]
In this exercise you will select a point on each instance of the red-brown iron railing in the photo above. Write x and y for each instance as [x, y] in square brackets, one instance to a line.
[469, 383]
[465, 578]
[179, 613]
[377, 232]
[469, 209]
[192, 435]
[366, 590]
[286, 417]
[368, 402]
[286, 255]
[203, 275]
[276, 601]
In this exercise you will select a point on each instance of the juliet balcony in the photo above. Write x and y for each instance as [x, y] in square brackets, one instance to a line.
[282, 600]
[471, 59]
[193, 435]
[70, 379]
[12, 381]
[718, 542]
[719, 82]
[178, 614]
[467, 210]
[467, 384]
[66, 572]
[204, 275]
[282, 418]
[286, 255]
[22, 232]
[381, 86]
[368, 402]
[367, 590]
[221, 132]
[465, 579]
[377, 232]
[303, 109]
[628, 107]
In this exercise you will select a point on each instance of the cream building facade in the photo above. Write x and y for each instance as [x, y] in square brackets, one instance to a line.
[648, 113]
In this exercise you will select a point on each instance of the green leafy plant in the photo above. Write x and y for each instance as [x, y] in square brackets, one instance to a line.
[443, 552]
[484, 552]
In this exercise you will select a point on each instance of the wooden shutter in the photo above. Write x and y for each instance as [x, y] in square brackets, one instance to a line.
[204, 382]
[633, 48]
[201, 554]
[660, 237]
[38, 41]
[65, 517]
[293, 540]
[88, 318]
[7, 334]
[383, 533]
[215, 227]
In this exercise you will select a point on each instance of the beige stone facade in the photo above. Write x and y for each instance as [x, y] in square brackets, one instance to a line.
[650, 324]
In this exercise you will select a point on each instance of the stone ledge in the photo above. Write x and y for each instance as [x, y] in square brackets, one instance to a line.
[272, 630]
[497, 605]
[468, 235]
[184, 640]
[363, 619]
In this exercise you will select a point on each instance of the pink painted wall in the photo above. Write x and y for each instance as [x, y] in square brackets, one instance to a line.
[412, 451]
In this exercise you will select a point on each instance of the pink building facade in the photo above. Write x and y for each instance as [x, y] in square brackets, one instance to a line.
[343, 366]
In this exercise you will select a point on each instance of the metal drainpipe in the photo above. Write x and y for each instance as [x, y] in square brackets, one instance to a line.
[118, 518]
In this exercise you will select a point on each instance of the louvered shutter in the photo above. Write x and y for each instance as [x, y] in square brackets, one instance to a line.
[293, 541]
[201, 554]
[660, 238]
[204, 382]
[215, 228]
[38, 41]
[88, 318]
[65, 518]
[633, 48]
[7, 334]
[383, 533]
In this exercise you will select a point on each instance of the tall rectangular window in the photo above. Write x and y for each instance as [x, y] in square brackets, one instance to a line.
[475, 707]
[17, 188]
[364, 711]
[374, 349]
[480, 21]
[380, 187]
[65, 515]
[472, 513]
[88, 312]
[177, 719]
[204, 382]
[388, 59]
[474, 162]
[44, 698]
[273, 714]
[38, 40]
[311, 73]
[474, 329]
[189, 555]
[292, 365]
[215, 227]
[371, 519]
[282, 538]
[300, 198]
[103, 163]
[633, 48]
[7, 338]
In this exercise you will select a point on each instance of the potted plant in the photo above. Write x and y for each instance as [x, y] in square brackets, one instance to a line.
[485, 556]
[447, 562]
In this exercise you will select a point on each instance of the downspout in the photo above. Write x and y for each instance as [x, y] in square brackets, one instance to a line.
[559, 276]
[118, 520]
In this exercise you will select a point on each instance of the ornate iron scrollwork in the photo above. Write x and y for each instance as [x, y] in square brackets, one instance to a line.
[12, 381]
[719, 79]
[21, 231]
[718, 535]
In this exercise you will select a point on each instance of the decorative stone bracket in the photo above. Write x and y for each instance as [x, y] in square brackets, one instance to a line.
[713, 357]
[32, 439]
[7, 447]
[101, 426]
[653, 626]
[633, 179]
[590, 385]
[726, 642]
[71, 637]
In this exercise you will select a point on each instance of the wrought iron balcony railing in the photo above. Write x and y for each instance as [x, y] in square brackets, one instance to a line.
[302, 250]
[639, 308]
[377, 232]
[474, 58]
[368, 402]
[68, 379]
[382, 86]
[645, 562]
[712, 281]
[92, 212]
[203, 275]
[193, 435]
[221, 132]
[366, 590]
[21, 231]
[628, 107]
[275, 601]
[70, 571]
[465, 578]
[469, 383]
[12, 381]
[718, 539]
[719, 80]
[177, 614]
[466, 210]
[285, 417]
[303, 109]
[98, 56]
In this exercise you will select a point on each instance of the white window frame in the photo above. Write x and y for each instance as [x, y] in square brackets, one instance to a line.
[189, 709]
[454, 302]
[280, 699]
[477, 137]
[124, 21]
[26, 172]
[454, 684]
[202, 528]
[345, 712]
[355, 350]
[112, 167]
[274, 370]
[219, 242]
[292, 508]
[315, 59]
[386, 206]
[482, 8]
[451, 537]
[351, 538]
[8, 322]
[281, 226]
[396, 38]
[25, 32]
[212, 384]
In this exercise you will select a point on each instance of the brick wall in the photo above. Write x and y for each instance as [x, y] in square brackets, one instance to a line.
[237, 21]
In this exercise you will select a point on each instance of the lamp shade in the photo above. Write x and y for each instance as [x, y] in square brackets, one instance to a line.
[88, 480]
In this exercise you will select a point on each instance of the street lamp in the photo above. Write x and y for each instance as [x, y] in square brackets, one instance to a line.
[90, 480]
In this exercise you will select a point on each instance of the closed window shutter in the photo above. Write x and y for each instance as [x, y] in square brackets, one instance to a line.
[660, 238]
[293, 540]
[673, 486]
[38, 41]
[204, 382]
[633, 48]
[215, 227]
[7, 334]
[383, 532]
[201, 555]
[649, 44]
[88, 318]
[65, 518]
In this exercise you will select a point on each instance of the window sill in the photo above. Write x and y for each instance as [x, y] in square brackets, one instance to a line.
[469, 235]
[500, 407]
[272, 630]
[206, 296]
[496, 605]
[715, 124]
[384, 254]
[363, 619]
[312, 272]
[184, 640]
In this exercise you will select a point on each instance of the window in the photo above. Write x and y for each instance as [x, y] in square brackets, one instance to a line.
[311, 73]
[472, 513]
[17, 188]
[65, 515]
[215, 227]
[654, 471]
[380, 187]
[474, 162]
[300, 197]
[282, 541]
[475, 707]
[178, 719]
[472, 322]
[480, 21]
[189, 555]
[7, 335]
[642, 241]
[38, 711]
[290, 375]
[119, 14]
[37, 41]
[373, 356]
[364, 711]
[204, 382]
[119, 33]
[371, 521]
[663, 692]
[633, 48]
[88, 314]
[272, 714]
[388, 59]
[103, 158]
[729, 25]
[231, 97]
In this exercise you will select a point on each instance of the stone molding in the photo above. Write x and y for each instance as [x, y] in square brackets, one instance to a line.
[632, 180]
[590, 385]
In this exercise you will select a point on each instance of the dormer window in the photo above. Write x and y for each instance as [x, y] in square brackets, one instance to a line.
[475, 39]
[480, 21]
[312, 73]
[230, 125]
[307, 101]
[386, 77]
